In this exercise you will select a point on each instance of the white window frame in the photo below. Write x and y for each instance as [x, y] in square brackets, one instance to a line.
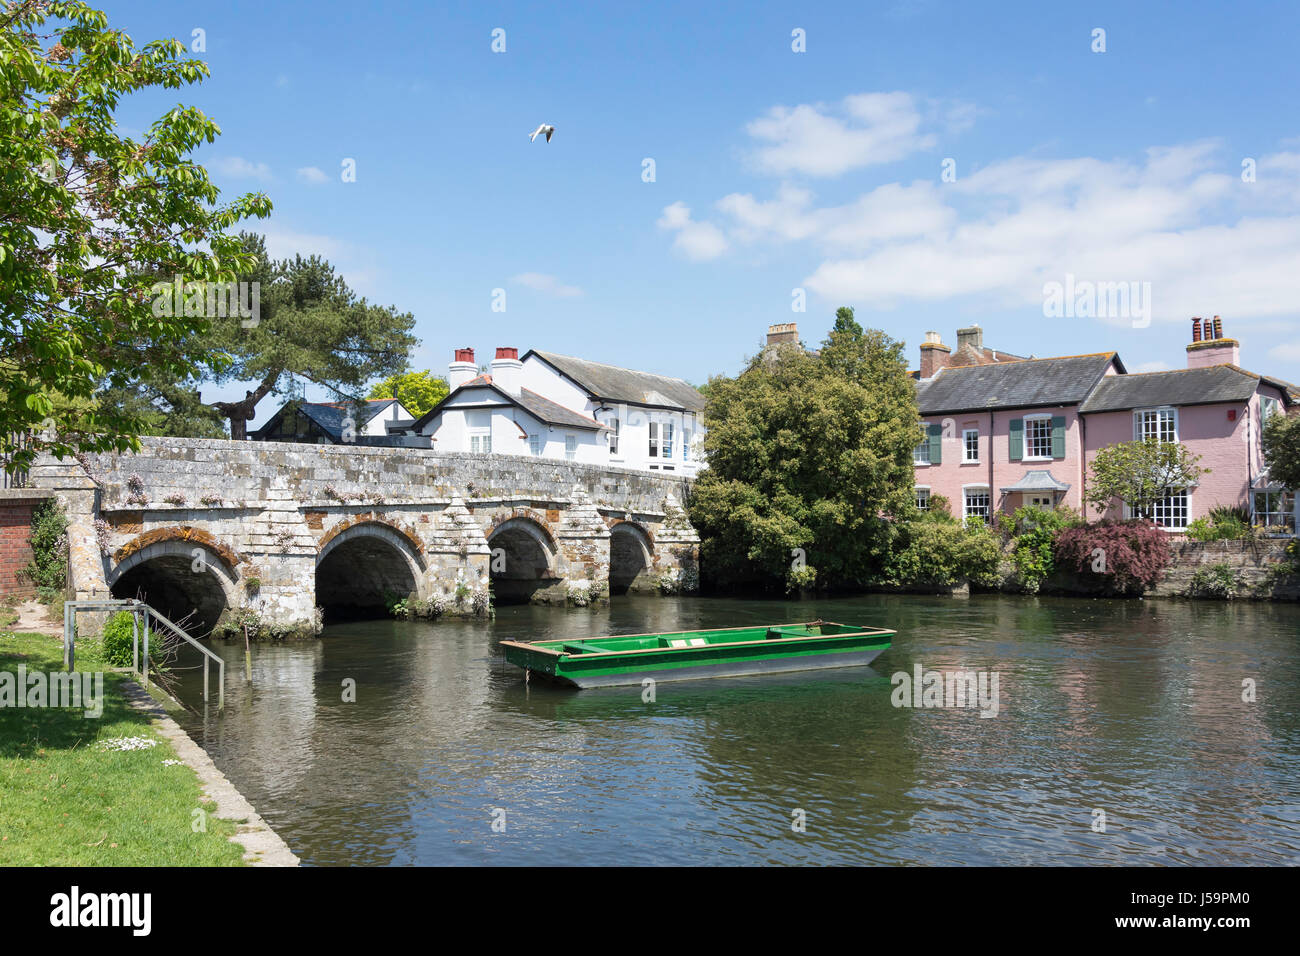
[1140, 423]
[480, 441]
[1187, 511]
[1028, 440]
[921, 453]
[614, 426]
[687, 436]
[653, 449]
[535, 443]
[666, 440]
[570, 447]
[966, 491]
[965, 446]
[916, 492]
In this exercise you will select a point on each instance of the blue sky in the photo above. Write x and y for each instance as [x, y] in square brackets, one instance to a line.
[774, 170]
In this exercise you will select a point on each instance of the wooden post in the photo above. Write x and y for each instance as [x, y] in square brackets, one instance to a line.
[248, 658]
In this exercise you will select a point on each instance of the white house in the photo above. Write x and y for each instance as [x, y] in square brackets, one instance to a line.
[556, 406]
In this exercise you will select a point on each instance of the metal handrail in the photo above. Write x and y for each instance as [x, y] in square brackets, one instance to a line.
[70, 609]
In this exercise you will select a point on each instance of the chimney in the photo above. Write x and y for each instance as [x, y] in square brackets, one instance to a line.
[1212, 348]
[462, 369]
[934, 355]
[507, 370]
[970, 337]
[1196, 328]
[786, 333]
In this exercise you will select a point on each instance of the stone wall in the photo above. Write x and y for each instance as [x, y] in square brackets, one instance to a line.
[1250, 559]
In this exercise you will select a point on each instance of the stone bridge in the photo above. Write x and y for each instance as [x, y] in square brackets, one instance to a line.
[276, 533]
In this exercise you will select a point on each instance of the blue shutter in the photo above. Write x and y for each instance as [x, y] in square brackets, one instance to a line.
[1017, 439]
[1058, 436]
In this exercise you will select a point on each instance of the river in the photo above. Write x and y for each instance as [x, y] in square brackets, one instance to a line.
[1121, 737]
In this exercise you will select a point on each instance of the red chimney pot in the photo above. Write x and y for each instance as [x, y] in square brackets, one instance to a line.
[1196, 328]
[1218, 327]
[507, 353]
[464, 355]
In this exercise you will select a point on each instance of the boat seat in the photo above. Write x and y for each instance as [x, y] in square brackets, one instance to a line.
[577, 647]
[687, 642]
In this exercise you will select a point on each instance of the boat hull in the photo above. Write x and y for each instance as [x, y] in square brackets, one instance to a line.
[698, 655]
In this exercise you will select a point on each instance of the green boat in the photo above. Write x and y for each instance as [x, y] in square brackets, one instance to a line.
[687, 655]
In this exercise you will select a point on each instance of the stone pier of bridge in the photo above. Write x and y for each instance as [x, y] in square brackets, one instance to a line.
[279, 535]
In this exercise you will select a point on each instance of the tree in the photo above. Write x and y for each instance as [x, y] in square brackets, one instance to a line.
[809, 460]
[1141, 473]
[845, 322]
[88, 219]
[309, 326]
[417, 391]
[1282, 450]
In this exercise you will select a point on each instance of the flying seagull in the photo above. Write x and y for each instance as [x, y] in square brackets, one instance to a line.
[543, 129]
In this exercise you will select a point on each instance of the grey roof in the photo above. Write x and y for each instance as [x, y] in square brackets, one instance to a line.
[330, 416]
[625, 385]
[548, 411]
[1037, 479]
[543, 409]
[1189, 386]
[1029, 384]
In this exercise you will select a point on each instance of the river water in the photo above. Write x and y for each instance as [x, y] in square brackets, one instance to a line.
[1121, 736]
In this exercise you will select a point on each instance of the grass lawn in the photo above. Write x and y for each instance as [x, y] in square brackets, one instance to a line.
[64, 801]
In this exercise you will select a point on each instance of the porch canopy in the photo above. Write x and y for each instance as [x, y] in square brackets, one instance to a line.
[1036, 480]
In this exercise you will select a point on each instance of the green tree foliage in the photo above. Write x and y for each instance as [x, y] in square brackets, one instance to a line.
[1282, 450]
[88, 218]
[48, 569]
[845, 322]
[417, 391]
[810, 462]
[1033, 532]
[932, 549]
[1140, 473]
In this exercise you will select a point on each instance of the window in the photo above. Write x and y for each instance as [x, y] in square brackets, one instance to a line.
[1275, 509]
[570, 446]
[613, 438]
[686, 444]
[922, 499]
[1038, 437]
[1170, 512]
[535, 443]
[654, 440]
[481, 444]
[977, 505]
[921, 453]
[666, 446]
[970, 443]
[1157, 424]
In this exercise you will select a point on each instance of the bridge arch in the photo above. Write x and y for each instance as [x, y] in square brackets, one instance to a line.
[363, 565]
[524, 559]
[185, 573]
[631, 557]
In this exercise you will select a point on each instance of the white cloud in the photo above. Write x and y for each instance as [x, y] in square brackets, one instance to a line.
[866, 130]
[1151, 367]
[239, 168]
[312, 175]
[550, 285]
[1287, 351]
[695, 240]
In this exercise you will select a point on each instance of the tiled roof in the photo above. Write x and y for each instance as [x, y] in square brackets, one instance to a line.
[972, 355]
[1036, 479]
[625, 385]
[543, 409]
[330, 415]
[1188, 386]
[1029, 383]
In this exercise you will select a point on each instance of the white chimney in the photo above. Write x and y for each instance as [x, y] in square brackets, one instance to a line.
[507, 371]
[462, 369]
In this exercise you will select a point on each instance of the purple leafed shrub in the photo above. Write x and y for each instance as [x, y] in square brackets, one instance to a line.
[1129, 556]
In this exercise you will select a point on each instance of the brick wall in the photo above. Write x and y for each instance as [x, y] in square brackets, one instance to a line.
[15, 540]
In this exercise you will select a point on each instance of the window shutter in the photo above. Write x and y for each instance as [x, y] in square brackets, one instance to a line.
[1017, 439]
[1137, 426]
[936, 444]
[1058, 436]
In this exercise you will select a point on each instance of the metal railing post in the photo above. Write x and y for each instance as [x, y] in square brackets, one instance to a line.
[146, 651]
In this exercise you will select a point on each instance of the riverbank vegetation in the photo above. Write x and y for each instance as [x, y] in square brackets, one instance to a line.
[107, 791]
[48, 568]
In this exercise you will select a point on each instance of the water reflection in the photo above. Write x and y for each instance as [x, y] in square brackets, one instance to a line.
[1131, 708]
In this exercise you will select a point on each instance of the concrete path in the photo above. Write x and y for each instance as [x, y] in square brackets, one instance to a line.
[262, 845]
[33, 618]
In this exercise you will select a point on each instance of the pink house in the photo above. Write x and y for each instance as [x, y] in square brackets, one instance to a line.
[1011, 431]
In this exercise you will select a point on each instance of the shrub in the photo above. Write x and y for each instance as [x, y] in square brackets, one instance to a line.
[1127, 556]
[932, 552]
[1220, 581]
[48, 569]
[1222, 524]
[1033, 532]
[800, 579]
[118, 639]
